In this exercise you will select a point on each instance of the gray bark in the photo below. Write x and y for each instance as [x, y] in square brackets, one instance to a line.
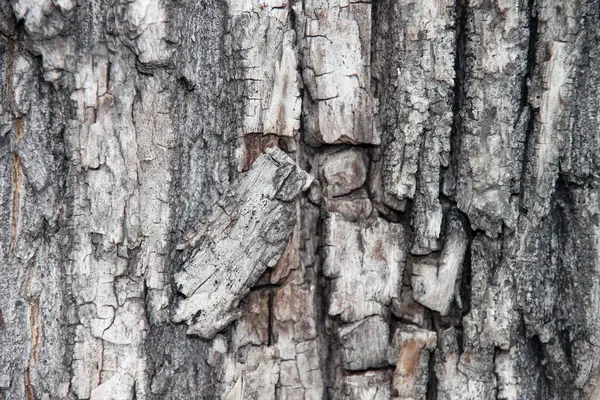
[428, 229]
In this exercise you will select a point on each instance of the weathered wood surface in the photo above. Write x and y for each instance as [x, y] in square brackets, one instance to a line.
[448, 247]
[245, 235]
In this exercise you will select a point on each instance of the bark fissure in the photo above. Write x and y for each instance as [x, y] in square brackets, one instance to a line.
[448, 188]
[527, 108]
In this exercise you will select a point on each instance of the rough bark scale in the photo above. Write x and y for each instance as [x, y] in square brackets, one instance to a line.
[448, 247]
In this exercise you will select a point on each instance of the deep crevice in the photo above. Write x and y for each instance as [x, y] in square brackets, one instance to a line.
[526, 106]
[458, 97]
[270, 304]
[543, 382]
[431, 392]
[305, 153]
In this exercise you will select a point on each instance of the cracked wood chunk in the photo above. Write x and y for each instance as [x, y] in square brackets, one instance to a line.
[434, 282]
[411, 349]
[342, 172]
[246, 233]
[365, 344]
[365, 263]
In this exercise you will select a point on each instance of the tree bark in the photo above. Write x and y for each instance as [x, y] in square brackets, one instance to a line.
[446, 244]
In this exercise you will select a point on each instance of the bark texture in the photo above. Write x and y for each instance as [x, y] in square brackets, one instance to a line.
[284, 199]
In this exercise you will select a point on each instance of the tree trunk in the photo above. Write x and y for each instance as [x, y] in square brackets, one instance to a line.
[153, 247]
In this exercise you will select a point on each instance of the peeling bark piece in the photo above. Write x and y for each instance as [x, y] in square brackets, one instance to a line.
[337, 47]
[434, 283]
[364, 344]
[247, 233]
[262, 47]
[411, 348]
[365, 262]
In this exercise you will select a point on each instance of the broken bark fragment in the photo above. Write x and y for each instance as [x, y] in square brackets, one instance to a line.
[337, 48]
[247, 233]
[410, 352]
[365, 263]
[342, 172]
[364, 344]
[434, 283]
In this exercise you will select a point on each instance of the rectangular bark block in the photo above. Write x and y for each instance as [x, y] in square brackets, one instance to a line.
[365, 262]
[410, 352]
[434, 282]
[337, 73]
[365, 344]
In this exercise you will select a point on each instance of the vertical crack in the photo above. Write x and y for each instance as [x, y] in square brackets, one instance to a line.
[270, 332]
[431, 393]
[458, 98]
[16, 184]
[526, 106]
[16, 160]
